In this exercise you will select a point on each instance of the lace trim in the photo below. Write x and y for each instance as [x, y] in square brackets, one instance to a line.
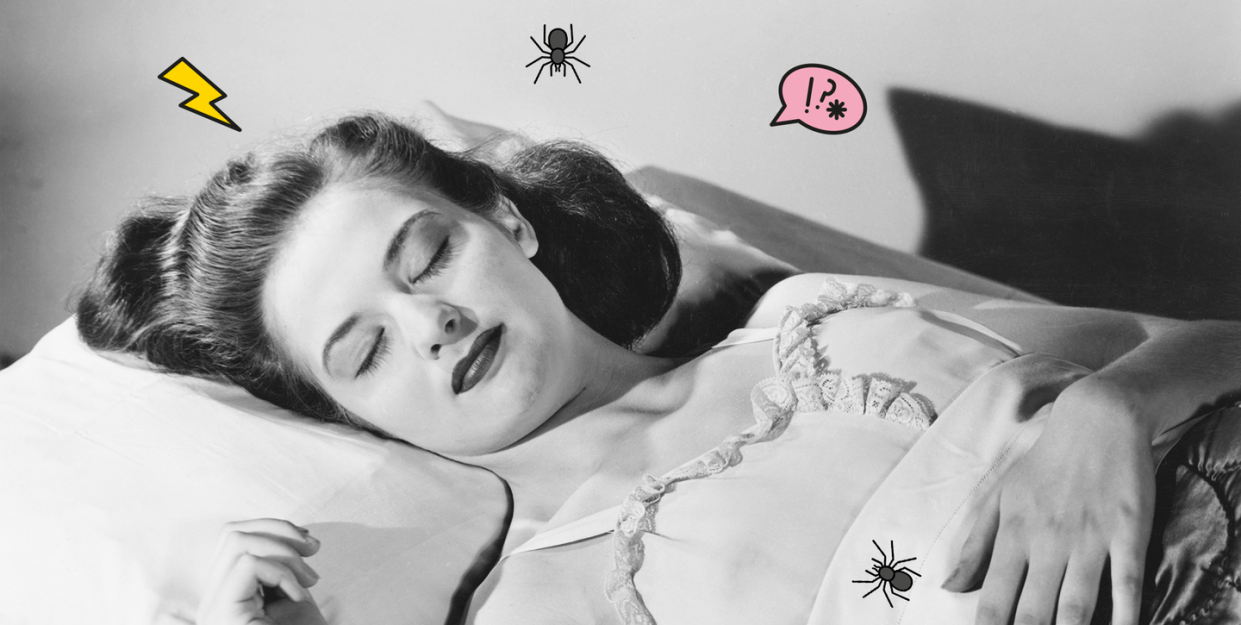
[803, 383]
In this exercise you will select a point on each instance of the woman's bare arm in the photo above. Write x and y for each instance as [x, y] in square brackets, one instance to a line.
[1181, 368]
[1090, 337]
[1083, 495]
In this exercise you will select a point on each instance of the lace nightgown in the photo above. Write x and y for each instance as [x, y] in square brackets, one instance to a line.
[882, 430]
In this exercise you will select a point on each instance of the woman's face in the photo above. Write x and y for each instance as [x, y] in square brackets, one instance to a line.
[423, 318]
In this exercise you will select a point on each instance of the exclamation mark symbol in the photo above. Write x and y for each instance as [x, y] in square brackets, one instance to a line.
[809, 92]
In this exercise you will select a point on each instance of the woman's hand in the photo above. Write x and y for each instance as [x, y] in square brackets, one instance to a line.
[1081, 497]
[259, 576]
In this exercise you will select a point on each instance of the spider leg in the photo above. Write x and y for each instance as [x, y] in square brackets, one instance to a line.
[878, 563]
[537, 60]
[579, 78]
[900, 595]
[575, 47]
[536, 78]
[873, 590]
[905, 560]
[909, 570]
[874, 578]
[536, 44]
[545, 37]
[885, 596]
[885, 556]
[577, 59]
[570, 36]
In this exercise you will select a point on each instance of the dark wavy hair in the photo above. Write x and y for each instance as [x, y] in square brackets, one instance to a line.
[181, 279]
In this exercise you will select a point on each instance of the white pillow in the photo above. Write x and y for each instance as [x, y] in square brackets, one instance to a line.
[115, 481]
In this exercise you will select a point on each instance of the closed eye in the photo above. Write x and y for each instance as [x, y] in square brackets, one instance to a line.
[439, 260]
[381, 347]
[377, 353]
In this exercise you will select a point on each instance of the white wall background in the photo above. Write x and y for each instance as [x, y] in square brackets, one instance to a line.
[86, 128]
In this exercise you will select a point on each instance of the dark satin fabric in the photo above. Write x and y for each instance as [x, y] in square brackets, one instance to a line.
[1193, 569]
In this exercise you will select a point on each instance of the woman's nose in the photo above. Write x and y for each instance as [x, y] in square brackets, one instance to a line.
[432, 325]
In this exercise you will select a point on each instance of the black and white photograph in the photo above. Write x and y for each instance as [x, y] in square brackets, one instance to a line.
[676, 313]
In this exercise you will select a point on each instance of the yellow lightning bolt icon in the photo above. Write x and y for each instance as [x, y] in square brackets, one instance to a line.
[186, 77]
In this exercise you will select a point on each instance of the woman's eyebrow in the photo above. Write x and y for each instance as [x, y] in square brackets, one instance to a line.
[337, 335]
[397, 245]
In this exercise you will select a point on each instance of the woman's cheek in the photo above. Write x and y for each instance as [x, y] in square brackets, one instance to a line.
[393, 411]
[530, 403]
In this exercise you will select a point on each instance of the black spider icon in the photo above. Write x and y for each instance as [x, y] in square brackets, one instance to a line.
[886, 574]
[556, 54]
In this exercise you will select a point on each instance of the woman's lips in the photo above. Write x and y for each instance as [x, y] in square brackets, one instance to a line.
[474, 366]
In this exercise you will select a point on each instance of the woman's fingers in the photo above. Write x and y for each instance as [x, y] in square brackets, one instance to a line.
[1004, 577]
[1082, 494]
[1080, 591]
[1130, 538]
[257, 554]
[1128, 569]
[976, 552]
[268, 538]
[239, 583]
[1042, 586]
[277, 528]
[278, 549]
[238, 598]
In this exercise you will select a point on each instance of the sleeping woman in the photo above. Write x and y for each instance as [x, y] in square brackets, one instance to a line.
[864, 450]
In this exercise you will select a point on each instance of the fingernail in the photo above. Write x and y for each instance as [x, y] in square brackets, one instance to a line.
[951, 578]
[304, 531]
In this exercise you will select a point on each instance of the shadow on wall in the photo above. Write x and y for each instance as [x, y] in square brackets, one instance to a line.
[1149, 224]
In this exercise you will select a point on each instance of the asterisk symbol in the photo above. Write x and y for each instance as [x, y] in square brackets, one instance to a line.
[836, 109]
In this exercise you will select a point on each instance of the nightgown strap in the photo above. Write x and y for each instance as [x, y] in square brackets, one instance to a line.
[597, 524]
[802, 383]
[741, 336]
[604, 521]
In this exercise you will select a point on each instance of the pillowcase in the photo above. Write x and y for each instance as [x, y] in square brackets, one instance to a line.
[728, 237]
[491, 143]
[117, 481]
[119, 478]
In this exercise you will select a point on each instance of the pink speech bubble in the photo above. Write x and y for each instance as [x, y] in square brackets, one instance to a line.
[820, 98]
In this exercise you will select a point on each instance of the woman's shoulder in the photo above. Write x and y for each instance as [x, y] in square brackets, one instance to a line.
[848, 290]
[1090, 337]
